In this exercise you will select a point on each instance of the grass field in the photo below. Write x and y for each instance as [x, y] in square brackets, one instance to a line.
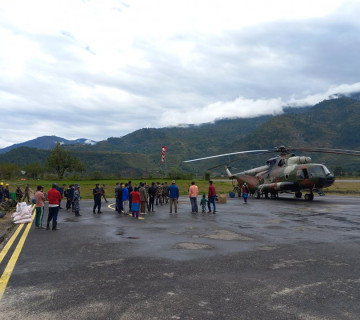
[87, 186]
[348, 188]
[222, 186]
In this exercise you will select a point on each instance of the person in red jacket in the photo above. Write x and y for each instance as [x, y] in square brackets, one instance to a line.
[54, 197]
[211, 196]
[136, 199]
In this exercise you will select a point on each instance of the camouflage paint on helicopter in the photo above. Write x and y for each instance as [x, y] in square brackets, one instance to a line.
[286, 173]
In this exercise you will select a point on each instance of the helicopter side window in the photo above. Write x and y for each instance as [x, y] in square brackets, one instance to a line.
[299, 174]
[305, 173]
[302, 174]
[281, 163]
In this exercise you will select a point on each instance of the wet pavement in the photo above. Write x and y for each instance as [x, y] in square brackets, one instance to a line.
[268, 259]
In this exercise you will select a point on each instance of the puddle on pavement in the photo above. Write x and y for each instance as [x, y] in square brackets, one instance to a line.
[227, 236]
[191, 246]
[71, 220]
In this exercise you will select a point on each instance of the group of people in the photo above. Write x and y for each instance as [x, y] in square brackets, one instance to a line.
[129, 199]
[4, 192]
[139, 198]
[211, 200]
[143, 197]
[54, 196]
[21, 196]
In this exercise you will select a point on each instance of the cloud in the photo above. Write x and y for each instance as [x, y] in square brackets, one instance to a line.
[96, 69]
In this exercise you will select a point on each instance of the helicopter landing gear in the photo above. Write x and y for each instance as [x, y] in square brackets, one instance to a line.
[298, 194]
[309, 197]
[274, 195]
[257, 194]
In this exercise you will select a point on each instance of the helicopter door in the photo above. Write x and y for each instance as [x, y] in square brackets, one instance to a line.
[302, 174]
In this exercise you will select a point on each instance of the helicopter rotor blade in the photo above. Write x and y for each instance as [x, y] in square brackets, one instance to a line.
[282, 150]
[230, 154]
[328, 150]
[223, 164]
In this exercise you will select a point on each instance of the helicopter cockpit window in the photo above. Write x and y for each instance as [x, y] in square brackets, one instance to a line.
[317, 171]
[271, 162]
[327, 172]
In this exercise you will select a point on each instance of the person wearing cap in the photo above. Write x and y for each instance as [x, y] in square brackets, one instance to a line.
[39, 207]
[6, 192]
[97, 199]
[27, 193]
[19, 194]
[102, 190]
[1, 192]
[76, 200]
[174, 196]
[54, 198]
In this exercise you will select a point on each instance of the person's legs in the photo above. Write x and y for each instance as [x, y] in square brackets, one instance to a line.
[50, 217]
[175, 205]
[171, 204]
[213, 200]
[193, 204]
[37, 217]
[56, 210]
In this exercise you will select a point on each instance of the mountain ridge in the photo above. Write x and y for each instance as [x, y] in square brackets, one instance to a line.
[333, 123]
[46, 143]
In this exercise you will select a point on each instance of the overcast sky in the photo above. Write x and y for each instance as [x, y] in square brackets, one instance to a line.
[104, 68]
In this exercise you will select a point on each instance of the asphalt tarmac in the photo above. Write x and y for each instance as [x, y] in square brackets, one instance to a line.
[268, 259]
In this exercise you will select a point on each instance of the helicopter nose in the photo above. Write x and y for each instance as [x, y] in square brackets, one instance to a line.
[327, 181]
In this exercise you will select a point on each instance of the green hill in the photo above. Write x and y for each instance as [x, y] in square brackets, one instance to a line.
[332, 123]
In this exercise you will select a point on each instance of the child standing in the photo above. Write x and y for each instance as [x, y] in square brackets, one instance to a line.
[245, 191]
[203, 203]
[135, 205]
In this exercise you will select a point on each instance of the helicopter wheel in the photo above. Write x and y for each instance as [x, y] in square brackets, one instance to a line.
[298, 194]
[309, 197]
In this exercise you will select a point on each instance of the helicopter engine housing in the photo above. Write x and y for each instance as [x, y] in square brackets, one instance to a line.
[298, 160]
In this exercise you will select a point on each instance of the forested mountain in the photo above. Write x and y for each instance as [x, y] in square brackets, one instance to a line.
[332, 123]
[47, 142]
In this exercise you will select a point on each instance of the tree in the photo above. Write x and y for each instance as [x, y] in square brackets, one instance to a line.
[34, 170]
[62, 161]
[339, 171]
[207, 175]
[9, 171]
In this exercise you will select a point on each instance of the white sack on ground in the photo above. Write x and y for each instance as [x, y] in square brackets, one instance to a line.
[22, 213]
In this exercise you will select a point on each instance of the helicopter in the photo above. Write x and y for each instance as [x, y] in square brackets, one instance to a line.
[285, 173]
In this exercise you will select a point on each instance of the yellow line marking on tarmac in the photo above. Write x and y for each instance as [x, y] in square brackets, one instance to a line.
[12, 262]
[111, 206]
[5, 250]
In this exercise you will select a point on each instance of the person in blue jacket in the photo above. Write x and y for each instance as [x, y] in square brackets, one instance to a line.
[174, 196]
[125, 196]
